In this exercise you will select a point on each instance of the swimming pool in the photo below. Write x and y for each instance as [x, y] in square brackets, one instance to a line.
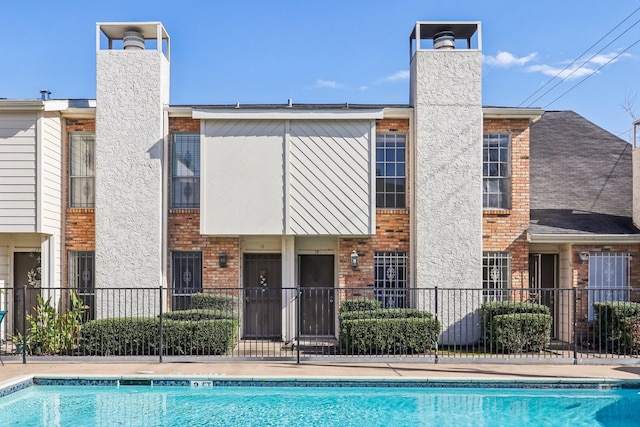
[353, 403]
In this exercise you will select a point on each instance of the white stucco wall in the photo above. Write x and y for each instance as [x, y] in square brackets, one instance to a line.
[130, 96]
[447, 97]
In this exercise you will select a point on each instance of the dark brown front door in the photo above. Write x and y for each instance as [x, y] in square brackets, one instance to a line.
[23, 263]
[543, 277]
[317, 298]
[263, 296]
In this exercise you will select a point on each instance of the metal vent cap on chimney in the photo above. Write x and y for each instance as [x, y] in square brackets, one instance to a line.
[133, 40]
[444, 40]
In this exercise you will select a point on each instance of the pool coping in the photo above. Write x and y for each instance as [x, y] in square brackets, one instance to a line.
[221, 380]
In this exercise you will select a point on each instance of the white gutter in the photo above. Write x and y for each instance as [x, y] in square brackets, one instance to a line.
[288, 114]
[512, 113]
[596, 239]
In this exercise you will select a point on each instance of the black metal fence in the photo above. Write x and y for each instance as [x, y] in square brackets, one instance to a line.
[298, 324]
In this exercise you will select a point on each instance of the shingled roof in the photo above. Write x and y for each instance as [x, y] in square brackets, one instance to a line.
[581, 178]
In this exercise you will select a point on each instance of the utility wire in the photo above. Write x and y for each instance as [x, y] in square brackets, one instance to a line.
[580, 56]
[583, 63]
[604, 65]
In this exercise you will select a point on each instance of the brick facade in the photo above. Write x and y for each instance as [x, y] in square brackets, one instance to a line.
[506, 230]
[392, 227]
[79, 223]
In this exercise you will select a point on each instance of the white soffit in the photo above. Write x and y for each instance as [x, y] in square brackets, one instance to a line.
[288, 114]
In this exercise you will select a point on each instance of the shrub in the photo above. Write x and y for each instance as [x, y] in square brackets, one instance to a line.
[632, 326]
[202, 301]
[520, 332]
[389, 335]
[139, 336]
[360, 304]
[195, 314]
[497, 308]
[380, 331]
[614, 325]
[51, 332]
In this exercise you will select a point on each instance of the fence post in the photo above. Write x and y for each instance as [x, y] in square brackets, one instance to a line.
[161, 340]
[436, 316]
[298, 323]
[575, 326]
[24, 325]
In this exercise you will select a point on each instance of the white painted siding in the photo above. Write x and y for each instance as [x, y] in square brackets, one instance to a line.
[51, 174]
[18, 172]
[330, 178]
[242, 177]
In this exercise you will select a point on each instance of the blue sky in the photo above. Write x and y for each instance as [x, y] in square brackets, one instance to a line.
[327, 51]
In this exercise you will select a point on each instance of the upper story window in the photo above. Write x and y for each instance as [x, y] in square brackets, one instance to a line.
[82, 171]
[185, 171]
[496, 171]
[391, 188]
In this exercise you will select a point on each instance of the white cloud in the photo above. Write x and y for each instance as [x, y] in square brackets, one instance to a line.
[328, 83]
[506, 59]
[363, 87]
[569, 73]
[605, 58]
[400, 75]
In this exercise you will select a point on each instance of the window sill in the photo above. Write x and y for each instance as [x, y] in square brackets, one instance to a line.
[496, 212]
[184, 210]
[392, 211]
[81, 210]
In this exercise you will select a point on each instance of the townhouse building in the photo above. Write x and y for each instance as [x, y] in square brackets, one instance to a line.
[131, 191]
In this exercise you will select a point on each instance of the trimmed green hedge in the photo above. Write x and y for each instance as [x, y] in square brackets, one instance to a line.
[492, 309]
[139, 336]
[389, 335]
[196, 314]
[385, 313]
[202, 301]
[520, 332]
[360, 304]
[386, 331]
[616, 326]
[509, 326]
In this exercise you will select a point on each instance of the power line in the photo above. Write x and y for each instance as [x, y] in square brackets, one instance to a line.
[579, 56]
[604, 65]
[585, 62]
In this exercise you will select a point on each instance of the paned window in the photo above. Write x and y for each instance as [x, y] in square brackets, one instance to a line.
[391, 188]
[496, 171]
[390, 279]
[82, 172]
[608, 278]
[186, 278]
[185, 171]
[81, 279]
[496, 275]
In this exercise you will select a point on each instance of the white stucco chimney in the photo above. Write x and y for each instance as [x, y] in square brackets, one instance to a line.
[132, 91]
[446, 94]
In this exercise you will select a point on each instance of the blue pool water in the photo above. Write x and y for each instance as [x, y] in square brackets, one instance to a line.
[317, 406]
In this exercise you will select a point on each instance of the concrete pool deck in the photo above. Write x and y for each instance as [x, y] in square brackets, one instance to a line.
[391, 370]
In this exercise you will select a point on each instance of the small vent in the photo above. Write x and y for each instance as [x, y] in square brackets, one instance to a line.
[135, 381]
[133, 40]
[444, 40]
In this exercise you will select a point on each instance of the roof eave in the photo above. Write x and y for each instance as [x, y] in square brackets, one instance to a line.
[512, 113]
[596, 239]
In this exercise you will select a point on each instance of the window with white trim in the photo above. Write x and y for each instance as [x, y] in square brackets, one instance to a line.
[185, 171]
[81, 273]
[391, 188]
[186, 278]
[496, 171]
[608, 278]
[496, 275]
[82, 170]
[390, 279]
